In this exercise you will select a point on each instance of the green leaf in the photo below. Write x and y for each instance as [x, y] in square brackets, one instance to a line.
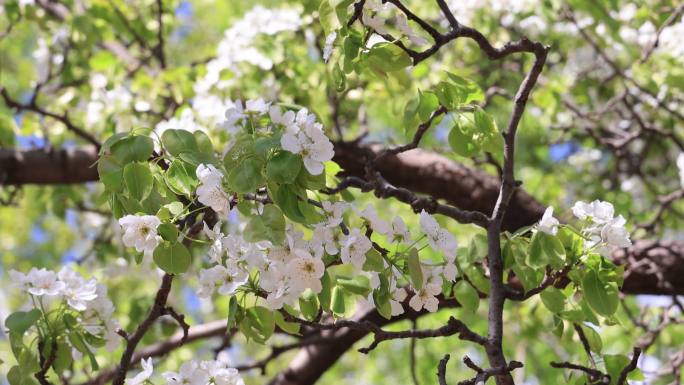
[553, 299]
[270, 225]
[234, 313]
[461, 139]
[284, 167]
[262, 323]
[536, 256]
[387, 57]
[593, 338]
[325, 296]
[178, 141]
[467, 296]
[288, 327]
[111, 140]
[203, 141]
[110, 172]
[134, 148]
[308, 305]
[490, 138]
[20, 321]
[602, 296]
[358, 285]
[374, 261]
[168, 231]
[246, 177]
[414, 269]
[337, 301]
[172, 258]
[138, 180]
[180, 178]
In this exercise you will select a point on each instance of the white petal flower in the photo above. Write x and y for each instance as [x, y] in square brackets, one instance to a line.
[278, 117]
[399, 232]
[398, 296]
[143, 376]
[140, 231]
[306, 271]
[189, 374]
[333, 212]
[377, 224]
[548, 224]
[426, 298]
[680, 166]
[234, 118]
[439, 238]
[306, 137]
[376, 23]
[597, 211]
[258, 106]
[406, 30]
[328, 48]
[44, 282]
[354, 248]
[615, 234]
[77, 291]
[227, 376]
[210, 193]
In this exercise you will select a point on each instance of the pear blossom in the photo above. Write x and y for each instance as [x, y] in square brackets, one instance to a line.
[399, 232]
[325, 239]
[234, 116]
[376, 223]
[406, 30]
[210, 192]
[306, 137]
[216, 237]
[439, 238]
[398, 296]
[306, 271]
[333, 212]
[294, 240]
[227, 376]
[44, 282]
[189, 374]
[143, 376]
[328, 47]
[615, 234]
[279, 117]
[376, 23]
[680, 166]
[77, 291]
[426, 298]
[548, 224]
[597, 211]
[140, 231]
[354, 248]
[258, 106]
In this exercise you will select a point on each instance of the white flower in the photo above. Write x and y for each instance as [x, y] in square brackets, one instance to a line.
[19, 280]
[548, 224]
[328, 48]
[190, 374]
[77, 291]
[215, 236]
[615, 234]
[376, 23]
[325, 238]
[44, 282]
[293, 241]
[597, 211]
[227, 376]
[426, 298]
[258, 106]
[278, 117]
[306, 137]
[234, 116]
[439, 238]
[354, 248]
[398, 296]
[450, 270]
[140, 231]
[406, 30]
[333, 212]
[376, 223]
[680, 166]
[399, 232]
[210, 192]
[141, 377]
[306, 271]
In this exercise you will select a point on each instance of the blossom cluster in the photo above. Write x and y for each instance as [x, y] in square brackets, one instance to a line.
[216, 372]
[285, 271]
[602, 228]
[86, 297]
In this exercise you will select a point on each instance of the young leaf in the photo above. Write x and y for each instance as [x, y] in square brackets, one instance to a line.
[138, 180]
[414, 269]
[602, 296]
[172, 258]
